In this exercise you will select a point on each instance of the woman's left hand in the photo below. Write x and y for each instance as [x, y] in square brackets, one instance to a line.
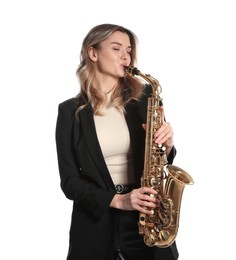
[164, 135]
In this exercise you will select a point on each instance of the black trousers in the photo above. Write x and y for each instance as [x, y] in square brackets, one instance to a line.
[130, 245]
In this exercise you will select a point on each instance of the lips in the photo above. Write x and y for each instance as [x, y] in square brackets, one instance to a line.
[125, 67]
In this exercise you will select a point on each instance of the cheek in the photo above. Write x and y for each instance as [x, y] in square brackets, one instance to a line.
[129, 59]
[104, 64]
[107, 58]
[109, 61]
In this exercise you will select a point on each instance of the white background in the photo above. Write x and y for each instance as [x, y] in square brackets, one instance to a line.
[188, 45]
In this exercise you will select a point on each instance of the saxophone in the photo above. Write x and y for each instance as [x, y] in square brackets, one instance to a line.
[159, 229]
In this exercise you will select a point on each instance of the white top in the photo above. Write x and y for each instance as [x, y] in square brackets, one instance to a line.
[114, 139]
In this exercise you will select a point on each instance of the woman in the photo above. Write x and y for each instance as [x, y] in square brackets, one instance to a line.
[100, 136]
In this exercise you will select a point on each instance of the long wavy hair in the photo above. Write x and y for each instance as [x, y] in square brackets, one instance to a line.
[128, 87]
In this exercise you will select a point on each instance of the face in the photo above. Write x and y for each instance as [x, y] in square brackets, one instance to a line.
[112, 56]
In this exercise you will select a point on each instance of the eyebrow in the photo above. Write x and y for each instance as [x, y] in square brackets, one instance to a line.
[118, 43]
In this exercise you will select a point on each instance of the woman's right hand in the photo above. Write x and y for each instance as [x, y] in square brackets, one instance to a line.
[142, 199]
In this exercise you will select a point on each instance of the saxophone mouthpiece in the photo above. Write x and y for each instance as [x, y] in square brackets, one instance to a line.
[126, 69]
[132, 70]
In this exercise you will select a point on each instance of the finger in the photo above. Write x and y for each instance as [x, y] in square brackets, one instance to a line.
[161, 108]
[162, 115]
[147, 190]
[163, 133]
[150, 196]
[145, 210]
[147, 204]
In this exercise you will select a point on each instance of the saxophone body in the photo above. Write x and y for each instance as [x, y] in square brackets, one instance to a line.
[159, 229]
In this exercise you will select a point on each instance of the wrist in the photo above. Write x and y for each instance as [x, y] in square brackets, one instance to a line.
[116, 201]
[168, 150]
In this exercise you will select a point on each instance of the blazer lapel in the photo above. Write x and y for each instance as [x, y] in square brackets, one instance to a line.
[89, 132]
[134, 121]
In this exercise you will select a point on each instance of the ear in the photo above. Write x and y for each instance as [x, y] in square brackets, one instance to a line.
[92, 53]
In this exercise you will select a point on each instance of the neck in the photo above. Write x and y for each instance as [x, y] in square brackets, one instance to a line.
[108, 89]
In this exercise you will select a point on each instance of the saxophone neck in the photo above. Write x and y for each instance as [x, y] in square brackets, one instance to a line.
[156, 87]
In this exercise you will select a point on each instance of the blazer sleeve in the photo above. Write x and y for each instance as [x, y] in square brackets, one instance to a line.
[92, 198]
[171, 155]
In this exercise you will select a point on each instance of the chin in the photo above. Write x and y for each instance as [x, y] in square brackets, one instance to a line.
[122, 74]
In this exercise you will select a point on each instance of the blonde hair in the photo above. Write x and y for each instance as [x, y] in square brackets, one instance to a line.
[128, 88]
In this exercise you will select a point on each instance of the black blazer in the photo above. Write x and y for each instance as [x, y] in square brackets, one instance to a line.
[85, 178]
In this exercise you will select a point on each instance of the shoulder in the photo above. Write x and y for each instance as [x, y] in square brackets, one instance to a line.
[70, 103]
[138, 108]
[67, 114]
[69, 106]
[147, 91]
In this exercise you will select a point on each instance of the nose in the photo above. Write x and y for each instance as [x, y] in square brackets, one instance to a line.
[125, 56]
